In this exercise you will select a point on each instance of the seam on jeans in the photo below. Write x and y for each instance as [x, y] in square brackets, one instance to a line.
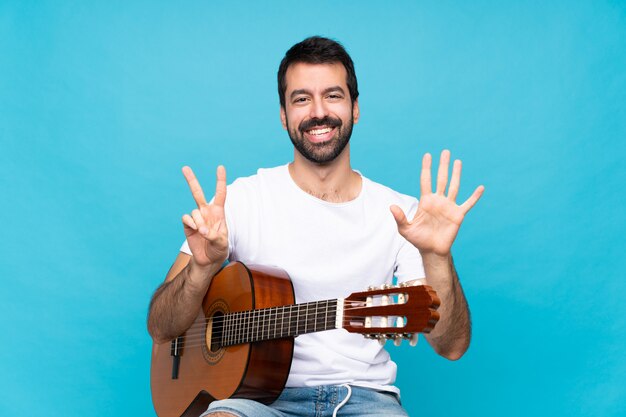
[222, 409]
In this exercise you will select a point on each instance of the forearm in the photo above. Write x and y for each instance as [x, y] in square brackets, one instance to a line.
[451, 336]
[176, 303]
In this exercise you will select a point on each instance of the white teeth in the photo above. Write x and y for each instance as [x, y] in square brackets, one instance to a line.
[319, 131]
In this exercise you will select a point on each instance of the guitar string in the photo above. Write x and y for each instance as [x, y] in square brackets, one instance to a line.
[292, 307]
[246, 334]
[245, 320]
[243, 323]
[237, 318]
[248, 337]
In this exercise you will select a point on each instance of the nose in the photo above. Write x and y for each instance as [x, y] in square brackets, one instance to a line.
[318, 109]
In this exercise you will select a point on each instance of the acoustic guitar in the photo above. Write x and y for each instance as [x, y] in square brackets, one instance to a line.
[241, 344]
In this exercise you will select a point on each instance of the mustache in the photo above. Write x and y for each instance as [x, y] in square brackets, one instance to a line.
[324, 121]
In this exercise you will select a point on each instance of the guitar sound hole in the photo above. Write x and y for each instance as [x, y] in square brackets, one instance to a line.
[216, 334]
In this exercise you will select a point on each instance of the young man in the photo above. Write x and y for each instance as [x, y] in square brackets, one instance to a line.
[334, 232]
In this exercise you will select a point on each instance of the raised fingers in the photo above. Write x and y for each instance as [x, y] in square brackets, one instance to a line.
[425, 179]
[188, 221]
[200, 223]
[455, 182]
[220, 187]
[194, 186]
[442, 173]
[469, 203]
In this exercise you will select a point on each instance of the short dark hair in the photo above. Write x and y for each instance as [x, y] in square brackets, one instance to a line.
[317, 50]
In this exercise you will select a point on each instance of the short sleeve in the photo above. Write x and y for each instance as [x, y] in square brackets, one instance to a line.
[185, 248]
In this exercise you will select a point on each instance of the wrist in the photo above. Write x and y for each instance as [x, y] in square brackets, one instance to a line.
[438, 270]
[434, 259]
[200, 275]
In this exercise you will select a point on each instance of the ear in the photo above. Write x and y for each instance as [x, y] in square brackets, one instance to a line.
[355, 111]
[283, 117]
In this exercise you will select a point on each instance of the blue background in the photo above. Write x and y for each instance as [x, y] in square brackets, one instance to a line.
[101, 103]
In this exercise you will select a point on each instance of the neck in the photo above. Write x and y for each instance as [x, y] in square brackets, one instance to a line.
[334, 182]
[277, 322]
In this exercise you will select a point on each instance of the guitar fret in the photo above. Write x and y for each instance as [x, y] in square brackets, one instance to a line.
[255, 325]
[306, 317]
[263, 322]
[248, 325]
[238, 333]
[297, 320]
[275, 320]
[239, 327]
[266, 324]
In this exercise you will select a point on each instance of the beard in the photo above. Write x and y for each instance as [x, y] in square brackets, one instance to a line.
[325, 152]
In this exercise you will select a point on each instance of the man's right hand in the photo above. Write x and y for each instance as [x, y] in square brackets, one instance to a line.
[205, 228]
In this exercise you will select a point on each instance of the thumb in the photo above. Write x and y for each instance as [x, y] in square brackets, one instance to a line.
[399, 216]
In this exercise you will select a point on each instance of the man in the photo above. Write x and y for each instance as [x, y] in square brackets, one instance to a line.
[334, 232]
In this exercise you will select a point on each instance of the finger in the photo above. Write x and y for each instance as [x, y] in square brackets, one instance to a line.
[442, 173]
[214, 232]
[199, 220]
[469, 203]
[399, 216]
[425, 180]
[455, 182]
[220, 187]
[188, 221]
[194, 186]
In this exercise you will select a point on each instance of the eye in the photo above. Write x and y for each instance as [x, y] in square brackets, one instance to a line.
[299, 100]
[335, 96]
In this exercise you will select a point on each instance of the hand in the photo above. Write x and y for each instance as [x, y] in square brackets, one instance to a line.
[205, 228]
[438, 217]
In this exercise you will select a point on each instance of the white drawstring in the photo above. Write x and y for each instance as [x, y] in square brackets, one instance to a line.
[345, 400]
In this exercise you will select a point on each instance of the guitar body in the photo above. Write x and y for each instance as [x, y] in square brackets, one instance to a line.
[257, 370]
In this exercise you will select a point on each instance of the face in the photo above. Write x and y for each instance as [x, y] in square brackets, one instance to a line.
[318, 113]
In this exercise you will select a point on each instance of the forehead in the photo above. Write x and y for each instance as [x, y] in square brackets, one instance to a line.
[315, 76]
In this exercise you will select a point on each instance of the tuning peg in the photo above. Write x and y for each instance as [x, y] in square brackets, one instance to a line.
[413, 340]
[382, 339]
[397, 340]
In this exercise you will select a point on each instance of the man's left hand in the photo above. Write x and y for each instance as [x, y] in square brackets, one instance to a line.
[438, 217]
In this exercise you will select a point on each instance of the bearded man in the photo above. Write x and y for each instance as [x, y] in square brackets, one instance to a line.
[334, 232]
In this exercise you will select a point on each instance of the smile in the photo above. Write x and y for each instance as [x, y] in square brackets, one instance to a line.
[319, 134]
[319, 131]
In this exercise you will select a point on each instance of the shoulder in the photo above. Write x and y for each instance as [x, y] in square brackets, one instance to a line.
[387, 196]
[247, 190]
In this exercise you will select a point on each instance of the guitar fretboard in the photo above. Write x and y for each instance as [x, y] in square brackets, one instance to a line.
[275, 322]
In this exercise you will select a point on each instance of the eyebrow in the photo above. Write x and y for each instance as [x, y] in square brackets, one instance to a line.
[326, 91]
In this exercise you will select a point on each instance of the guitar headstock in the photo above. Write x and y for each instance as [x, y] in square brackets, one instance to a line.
[391, 312]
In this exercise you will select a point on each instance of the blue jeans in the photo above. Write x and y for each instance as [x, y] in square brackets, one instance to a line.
[317, 402]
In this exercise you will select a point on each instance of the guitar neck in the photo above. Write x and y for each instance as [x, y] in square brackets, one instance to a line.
[276, 322]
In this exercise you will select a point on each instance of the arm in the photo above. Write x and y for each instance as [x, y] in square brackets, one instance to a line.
[451, 336]
[432, 231]
[176, 303]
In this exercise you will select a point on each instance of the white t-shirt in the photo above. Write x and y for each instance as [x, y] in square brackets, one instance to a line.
[329, 250]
